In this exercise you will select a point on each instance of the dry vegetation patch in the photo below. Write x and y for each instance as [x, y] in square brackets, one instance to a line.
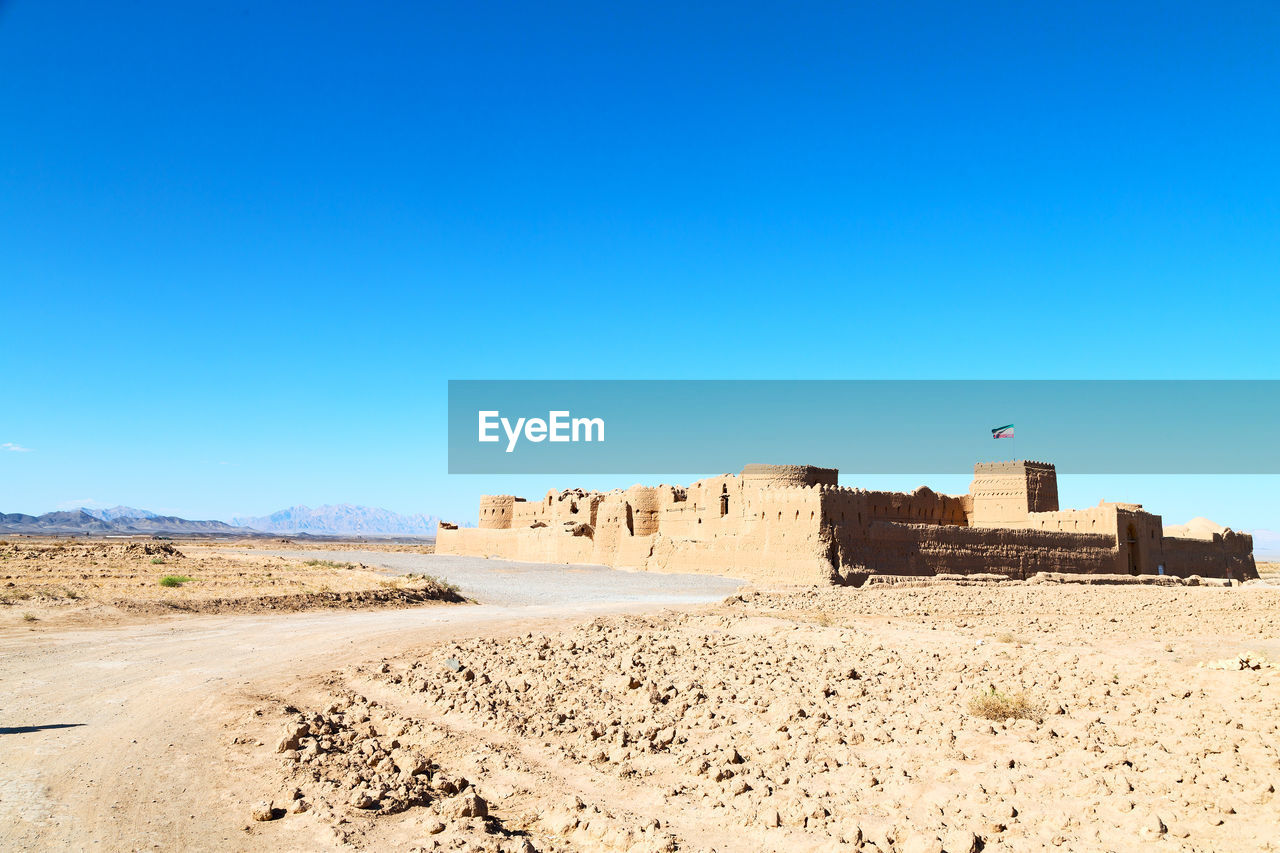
[991, 704]
[61, 576]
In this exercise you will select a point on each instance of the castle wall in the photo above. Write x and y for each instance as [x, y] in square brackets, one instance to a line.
[860, 507]
[531, 545]
[917, 549]
[1230, 552]
[794, 524]
[1137, 536]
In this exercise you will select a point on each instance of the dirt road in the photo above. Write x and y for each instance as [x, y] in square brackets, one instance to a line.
[114, 739]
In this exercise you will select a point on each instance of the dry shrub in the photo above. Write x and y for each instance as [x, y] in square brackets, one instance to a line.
[994, 705]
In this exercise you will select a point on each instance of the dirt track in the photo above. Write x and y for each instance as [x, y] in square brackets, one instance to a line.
[114, 738]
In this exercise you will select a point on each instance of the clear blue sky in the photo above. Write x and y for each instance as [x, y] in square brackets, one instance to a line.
[242, 246]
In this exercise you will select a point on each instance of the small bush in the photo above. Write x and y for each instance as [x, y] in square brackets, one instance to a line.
[994, 705]
[440, 587]
[157, 561]
[175, 580]
[29, 617]
[1006, 637]
[329, 564]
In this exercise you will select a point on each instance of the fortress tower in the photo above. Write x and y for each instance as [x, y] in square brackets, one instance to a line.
[1004, 493]
[789, 475]
[496, 511]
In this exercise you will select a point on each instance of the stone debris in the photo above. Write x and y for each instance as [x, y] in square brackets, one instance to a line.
[1246, 661]
[780, 713]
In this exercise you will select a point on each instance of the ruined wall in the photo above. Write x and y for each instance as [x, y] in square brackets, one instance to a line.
[918, 549]
[570, 505]
[860, 507]
[1005, 492]
[1226, 552]
[774, 536]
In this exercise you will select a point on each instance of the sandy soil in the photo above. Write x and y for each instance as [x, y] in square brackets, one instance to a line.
[1011, 717]
[144, 735]
[423, 546]
[871, 720]
[47, 583]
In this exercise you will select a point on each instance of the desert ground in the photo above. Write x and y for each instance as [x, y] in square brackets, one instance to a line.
[76, 581]
[565, 708]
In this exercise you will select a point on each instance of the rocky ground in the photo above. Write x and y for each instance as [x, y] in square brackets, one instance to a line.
[56, 582]
[949, 718]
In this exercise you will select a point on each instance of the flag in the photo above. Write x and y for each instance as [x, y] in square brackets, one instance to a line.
[1005, 431]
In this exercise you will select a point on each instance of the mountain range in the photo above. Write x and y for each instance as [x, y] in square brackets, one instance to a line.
[82, 522]
[116, 513]
[342, 520]
[329, 520]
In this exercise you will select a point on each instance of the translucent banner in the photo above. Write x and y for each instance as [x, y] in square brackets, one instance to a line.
[863, 426]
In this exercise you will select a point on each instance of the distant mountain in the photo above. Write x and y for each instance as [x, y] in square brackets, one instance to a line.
[118, 512]
[342, 520]
[69, 521]
[80, 522]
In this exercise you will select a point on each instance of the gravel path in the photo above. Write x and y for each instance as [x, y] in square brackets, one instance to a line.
[114, 738]
[514, 584]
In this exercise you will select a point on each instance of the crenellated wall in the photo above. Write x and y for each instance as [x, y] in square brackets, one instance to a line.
[795, 524]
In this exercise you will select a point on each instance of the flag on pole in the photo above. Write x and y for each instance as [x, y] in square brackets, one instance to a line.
[1005, 431]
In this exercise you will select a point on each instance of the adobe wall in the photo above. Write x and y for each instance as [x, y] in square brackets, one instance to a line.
[774, 536]
[920, 549]
[1138, 536]
[1228, 552]
[859, 507]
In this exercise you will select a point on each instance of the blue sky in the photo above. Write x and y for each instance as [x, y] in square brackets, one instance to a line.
[243, 247]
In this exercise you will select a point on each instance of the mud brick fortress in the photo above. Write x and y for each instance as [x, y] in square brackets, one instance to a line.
[795, 524]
